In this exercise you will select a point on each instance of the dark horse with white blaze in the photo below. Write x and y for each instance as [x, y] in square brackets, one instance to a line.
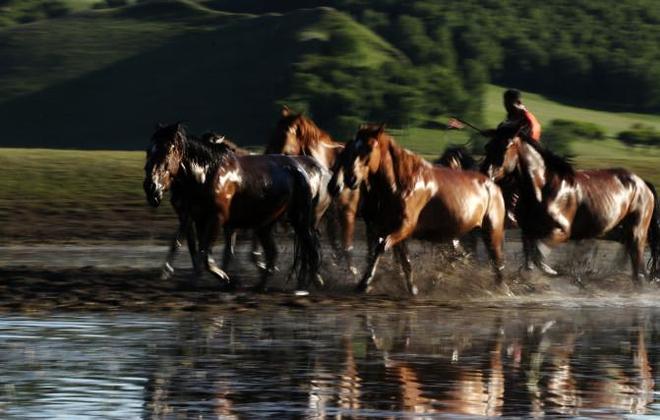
[181, 200]
[558, 203]
[295, 135]
[237, 192]
[404, 196]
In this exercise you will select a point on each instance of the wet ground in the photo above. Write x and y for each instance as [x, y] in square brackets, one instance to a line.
[91, 330]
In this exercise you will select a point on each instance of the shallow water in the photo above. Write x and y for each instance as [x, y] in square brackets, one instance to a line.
[492, 359]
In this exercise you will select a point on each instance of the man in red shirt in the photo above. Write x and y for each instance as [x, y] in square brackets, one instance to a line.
[517, 115]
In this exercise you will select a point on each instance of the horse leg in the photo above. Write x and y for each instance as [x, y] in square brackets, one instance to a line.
[528, 250]
[230, 243]
[378, 248]
[255, 255]
[635, 245]
[401, 251]
[348, 231]
[168, 270]
[382, 245]
[347, 219]
[191, 240]
[331, 228]
[265, 236]
[493, 236]
[207, 238]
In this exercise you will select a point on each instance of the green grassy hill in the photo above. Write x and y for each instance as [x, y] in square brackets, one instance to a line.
[111, 75]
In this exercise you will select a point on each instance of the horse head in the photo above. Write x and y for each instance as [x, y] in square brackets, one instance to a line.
[360, 157]
[164, 157]
[286, 138]
[502, 156]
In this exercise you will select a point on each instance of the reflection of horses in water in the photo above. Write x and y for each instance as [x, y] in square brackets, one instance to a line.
[238, 192]
[295, 135]
[404, 195]
[558, 203]
[447, 386]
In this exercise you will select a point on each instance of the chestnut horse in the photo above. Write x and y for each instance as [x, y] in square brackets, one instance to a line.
[404, 195]
[238, 192]
[296, 134]
[558, 203]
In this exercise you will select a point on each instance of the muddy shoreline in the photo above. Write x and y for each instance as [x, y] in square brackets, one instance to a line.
[124, 276]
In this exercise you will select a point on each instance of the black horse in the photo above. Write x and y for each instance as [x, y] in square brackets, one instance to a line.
[214, 187]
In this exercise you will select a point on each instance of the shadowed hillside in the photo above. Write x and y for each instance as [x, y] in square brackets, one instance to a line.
[209, 69]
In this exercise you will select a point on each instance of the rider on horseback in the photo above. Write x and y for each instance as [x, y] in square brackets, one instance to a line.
[518, 116]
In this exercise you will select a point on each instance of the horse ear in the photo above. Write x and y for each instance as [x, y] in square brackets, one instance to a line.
[159, 125]
[381, 129]
[285, 111]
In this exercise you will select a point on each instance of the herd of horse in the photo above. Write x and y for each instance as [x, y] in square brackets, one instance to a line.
[305, 174]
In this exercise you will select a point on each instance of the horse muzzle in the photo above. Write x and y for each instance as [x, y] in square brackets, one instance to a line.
[153, 193]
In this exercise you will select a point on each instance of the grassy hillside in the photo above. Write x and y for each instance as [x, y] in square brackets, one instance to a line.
[113, 74]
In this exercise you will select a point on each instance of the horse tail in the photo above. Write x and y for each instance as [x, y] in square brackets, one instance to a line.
[307, 248]
[654, 234]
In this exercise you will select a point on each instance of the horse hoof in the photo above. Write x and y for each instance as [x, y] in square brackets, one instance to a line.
[414, 291]
[261, 265]
[506, 290]
[301, 293]
[319, 281]
[546, 269]
[167, 272]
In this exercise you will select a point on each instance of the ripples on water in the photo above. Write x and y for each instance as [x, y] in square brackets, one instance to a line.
[325, 362]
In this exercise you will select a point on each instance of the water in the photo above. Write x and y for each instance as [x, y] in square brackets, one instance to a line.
[359, 362]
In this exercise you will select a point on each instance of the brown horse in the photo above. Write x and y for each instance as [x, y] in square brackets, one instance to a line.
[296, 134]
[405, 195]
[239, 192]
[558, 203]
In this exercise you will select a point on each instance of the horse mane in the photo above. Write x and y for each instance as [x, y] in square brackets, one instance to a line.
[560, 165]
[405, 165]
[310, 133]
[202, 152]
[460, 154]
[211, 138]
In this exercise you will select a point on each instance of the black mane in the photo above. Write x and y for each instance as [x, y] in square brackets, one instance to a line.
[204, 153]
[461, 154]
